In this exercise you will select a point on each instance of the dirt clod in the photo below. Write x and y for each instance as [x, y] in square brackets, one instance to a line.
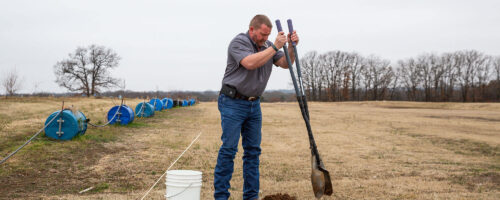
[279, 196]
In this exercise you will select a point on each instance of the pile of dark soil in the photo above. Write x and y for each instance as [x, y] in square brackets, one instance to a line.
[279, 196]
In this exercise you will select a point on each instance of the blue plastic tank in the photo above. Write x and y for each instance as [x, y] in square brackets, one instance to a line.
[165, 103]
[144, 110]
[170, 103]
[157, 103]
[124, 116]
[184, 103]
[66, 126]
[193, 101]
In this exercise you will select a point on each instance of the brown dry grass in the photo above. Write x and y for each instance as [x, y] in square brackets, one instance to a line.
[373, 150]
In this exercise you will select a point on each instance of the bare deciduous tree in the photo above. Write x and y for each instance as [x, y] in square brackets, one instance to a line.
[88, 70]
[437, 71]
[396, 82]
[496, 66]
[310, 63]
[320, 75]
[411, 77]
[483, 74]
[355, 64]
[449, 62]
[367, 79]
[424, 66]
[380, 72]
[11, 82]
[470, 62]
[335, 67]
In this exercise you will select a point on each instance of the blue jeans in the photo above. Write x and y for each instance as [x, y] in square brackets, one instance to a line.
[245, 117]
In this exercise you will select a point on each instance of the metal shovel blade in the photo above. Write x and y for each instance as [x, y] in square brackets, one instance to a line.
[320, 179]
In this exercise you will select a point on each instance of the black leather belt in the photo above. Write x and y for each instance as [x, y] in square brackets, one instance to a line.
[231, 92]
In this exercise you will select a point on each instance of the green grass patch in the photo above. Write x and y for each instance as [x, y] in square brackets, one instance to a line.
[467, 147]
[124, 187]
[8, 144]
[4, 121]
[459, 146]
[137, 124]
[101, 135]
[3, 172]
[478, 180]
[100, 187]
[40, 143]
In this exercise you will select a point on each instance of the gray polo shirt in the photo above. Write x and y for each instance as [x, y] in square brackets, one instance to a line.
[247, 82]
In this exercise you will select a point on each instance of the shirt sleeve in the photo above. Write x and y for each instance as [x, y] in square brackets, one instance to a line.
[239, 49]
[278, 56]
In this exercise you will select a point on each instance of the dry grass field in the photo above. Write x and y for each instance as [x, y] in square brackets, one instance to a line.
[373, 150]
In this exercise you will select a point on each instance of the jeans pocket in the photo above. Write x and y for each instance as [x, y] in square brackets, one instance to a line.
[220, 102]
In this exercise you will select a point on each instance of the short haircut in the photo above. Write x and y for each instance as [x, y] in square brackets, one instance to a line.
[258, 20]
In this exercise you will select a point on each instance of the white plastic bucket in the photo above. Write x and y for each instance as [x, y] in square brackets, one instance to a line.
[183, 185]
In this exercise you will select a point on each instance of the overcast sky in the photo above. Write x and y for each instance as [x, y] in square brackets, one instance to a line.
[182, 45]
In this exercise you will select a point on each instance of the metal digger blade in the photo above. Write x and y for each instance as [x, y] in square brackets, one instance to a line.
[320, 179]
[328, 182]
[317, 179]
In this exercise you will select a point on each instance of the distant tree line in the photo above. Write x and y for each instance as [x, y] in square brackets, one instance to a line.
[209, 95]
[460, 76]
[203, 96]
[464, 76]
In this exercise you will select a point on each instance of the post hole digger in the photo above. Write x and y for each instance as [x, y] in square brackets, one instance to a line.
[320, 177]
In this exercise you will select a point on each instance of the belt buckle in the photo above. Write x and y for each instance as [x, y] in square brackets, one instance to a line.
[252, 98]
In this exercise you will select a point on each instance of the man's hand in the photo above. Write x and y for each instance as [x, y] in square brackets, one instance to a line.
[280, 40]
[293, 37]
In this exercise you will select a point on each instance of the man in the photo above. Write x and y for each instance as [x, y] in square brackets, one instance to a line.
[249, 65]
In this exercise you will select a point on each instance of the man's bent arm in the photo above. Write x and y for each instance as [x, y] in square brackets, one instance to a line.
[256, 60]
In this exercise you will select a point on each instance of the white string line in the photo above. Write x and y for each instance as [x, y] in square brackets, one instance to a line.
[171, 166]
[141, 111]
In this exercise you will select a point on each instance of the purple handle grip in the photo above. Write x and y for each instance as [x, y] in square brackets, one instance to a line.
[278, 25]
[290, 28]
